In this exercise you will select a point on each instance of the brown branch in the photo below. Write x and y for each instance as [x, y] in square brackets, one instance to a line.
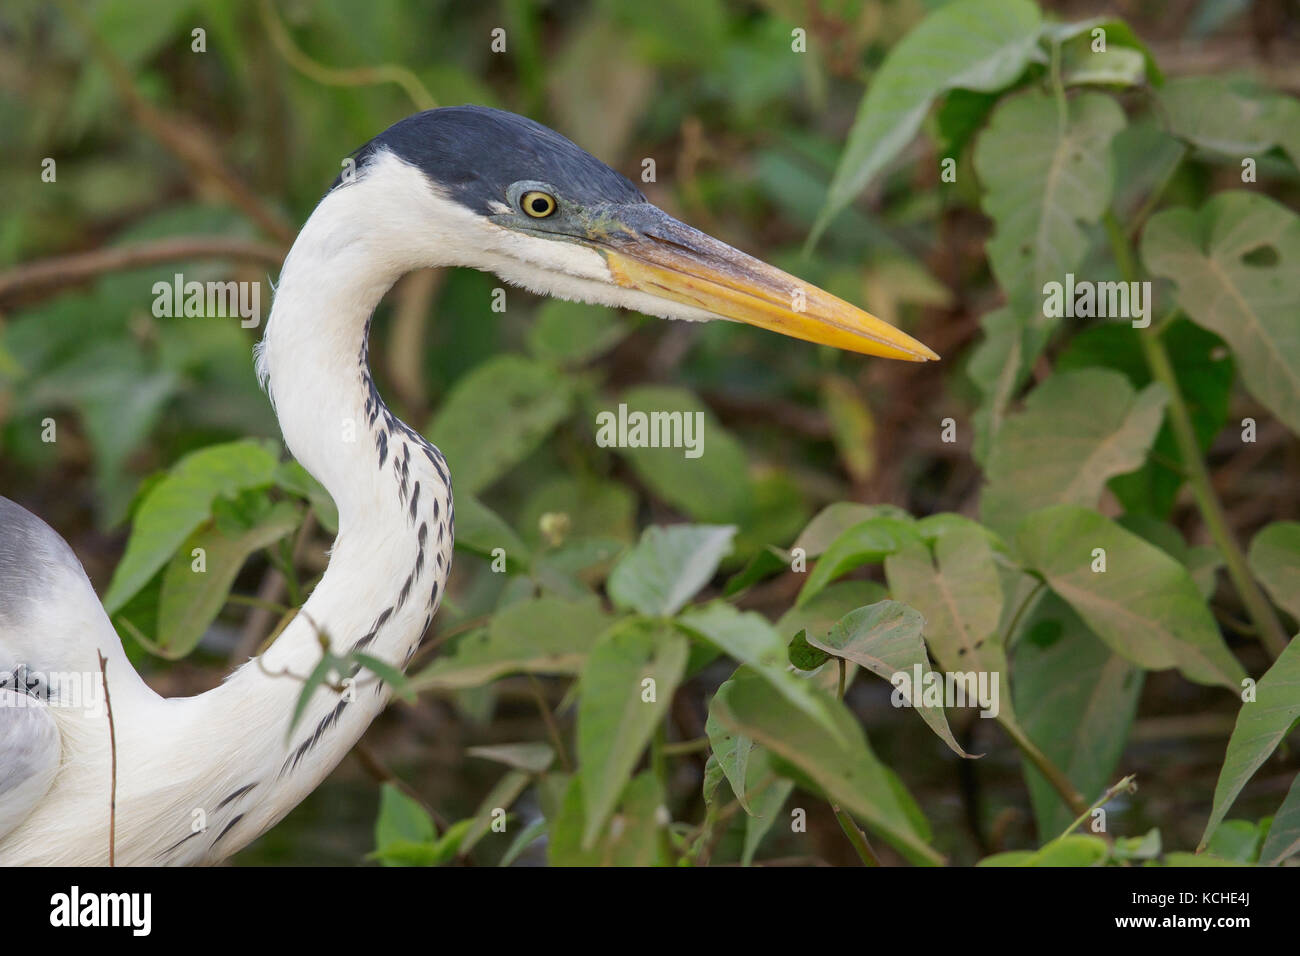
[61, 271]
[112, 741]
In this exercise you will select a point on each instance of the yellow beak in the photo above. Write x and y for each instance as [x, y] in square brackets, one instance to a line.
[668, 259]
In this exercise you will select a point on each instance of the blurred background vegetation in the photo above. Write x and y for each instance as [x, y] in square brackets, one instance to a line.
[154, 140]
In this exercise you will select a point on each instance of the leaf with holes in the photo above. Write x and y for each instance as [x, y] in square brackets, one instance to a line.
[1236, 265]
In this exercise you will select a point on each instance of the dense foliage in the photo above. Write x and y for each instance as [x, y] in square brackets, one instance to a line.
[676, 659]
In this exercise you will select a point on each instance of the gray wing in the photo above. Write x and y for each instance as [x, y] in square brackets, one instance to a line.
[29, 756]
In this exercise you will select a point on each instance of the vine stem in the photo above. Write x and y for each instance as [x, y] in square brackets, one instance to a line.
[1261, 613]
[1055, 776]
[857, 839]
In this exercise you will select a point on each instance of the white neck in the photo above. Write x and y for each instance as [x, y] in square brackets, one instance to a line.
[201, 777]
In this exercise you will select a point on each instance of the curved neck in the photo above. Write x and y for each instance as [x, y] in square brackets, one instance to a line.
[388, 564]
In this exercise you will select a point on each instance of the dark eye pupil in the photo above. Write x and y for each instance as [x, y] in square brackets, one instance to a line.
[540, 205]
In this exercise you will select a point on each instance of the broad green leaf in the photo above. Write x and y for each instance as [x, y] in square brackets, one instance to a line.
[959, 593]
[1077, 431]
[191, 599]
[714, 486]
[869, 542]
[480, 530]
[1283, 840]
[971, 44]
[1202, 561]
[1075, 850]
[400, 819]
[1145, 604]
[1045, 177]
[495, 416]
[633, 838]
[1000, 365]
[295, 479]
[179, 503]
[748, 638]
[1238, 841]
[885, 638]
[1232, 115]
[627, 687]
[818, 615]
[842, 765]
[539, 636]
[833, 520]
[1274, 559]
[667, 567]
[1076, 699]
[765, 807]
[573, 332]
[1262, 724]
[531, 757]
[1205, 372]
[1236, 266]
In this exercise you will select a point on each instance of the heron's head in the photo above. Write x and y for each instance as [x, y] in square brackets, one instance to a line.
[487, 189]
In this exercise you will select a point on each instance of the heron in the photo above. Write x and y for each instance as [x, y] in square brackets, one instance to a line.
[195, 779]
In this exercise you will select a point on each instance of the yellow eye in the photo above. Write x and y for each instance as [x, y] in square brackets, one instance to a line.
[537, 204]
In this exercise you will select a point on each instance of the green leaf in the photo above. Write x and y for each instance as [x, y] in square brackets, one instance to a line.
[803, 655]
[401, 819]
[1238, 841]
[1075, 850]
[821, 613]
[179, 503]
[634, 840]
[531, 757]
[667, 567]
[842, 765]
[619, 709]
[978, 45]
[1261, 725]
[1283, 840]
[715, 486]
[1077, 431]
[540, 636]
[571, 333]
[506, 791]
[191, 599]
[1274, 559]
[1145, 605]
[1228, 114]
[1236, 265]
[748, 638]
[480, 530]
[295, 479]
[885, 638]
[1043, 181]
[1076, 699]
[869, 542]
[522, 399]
[833, 520]
[959, 593]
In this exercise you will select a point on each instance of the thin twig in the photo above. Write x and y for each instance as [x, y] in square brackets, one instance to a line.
[62, 271]
[330, 76]
[1271, 633]
[112, 742]
[552, 727]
